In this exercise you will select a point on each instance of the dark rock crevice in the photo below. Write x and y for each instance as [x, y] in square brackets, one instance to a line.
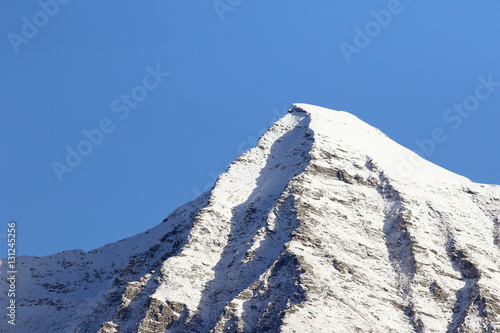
[399, 245]
[282, 291]
[469, 296]
[496, 231]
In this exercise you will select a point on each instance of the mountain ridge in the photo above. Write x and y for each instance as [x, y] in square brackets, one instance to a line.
[314, 229]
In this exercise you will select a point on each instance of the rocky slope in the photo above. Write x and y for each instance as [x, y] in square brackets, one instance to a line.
[319, 228]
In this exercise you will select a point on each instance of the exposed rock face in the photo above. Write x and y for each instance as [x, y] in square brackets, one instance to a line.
[316, 229]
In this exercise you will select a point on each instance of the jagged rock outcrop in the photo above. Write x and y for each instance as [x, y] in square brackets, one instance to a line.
[316, 229]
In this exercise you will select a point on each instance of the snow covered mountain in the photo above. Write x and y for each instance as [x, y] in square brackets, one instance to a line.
[322, 227]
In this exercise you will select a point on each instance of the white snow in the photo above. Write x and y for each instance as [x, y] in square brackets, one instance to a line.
[342, 129]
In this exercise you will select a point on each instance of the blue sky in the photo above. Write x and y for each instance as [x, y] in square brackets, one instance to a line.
[232, 66]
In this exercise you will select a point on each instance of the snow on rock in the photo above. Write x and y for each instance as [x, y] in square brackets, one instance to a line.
[316, 229]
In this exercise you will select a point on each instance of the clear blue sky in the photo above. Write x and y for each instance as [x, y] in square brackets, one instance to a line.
[227, 80]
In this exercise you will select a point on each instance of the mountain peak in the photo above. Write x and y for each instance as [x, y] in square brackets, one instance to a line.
[309, 108]
[347, 132]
